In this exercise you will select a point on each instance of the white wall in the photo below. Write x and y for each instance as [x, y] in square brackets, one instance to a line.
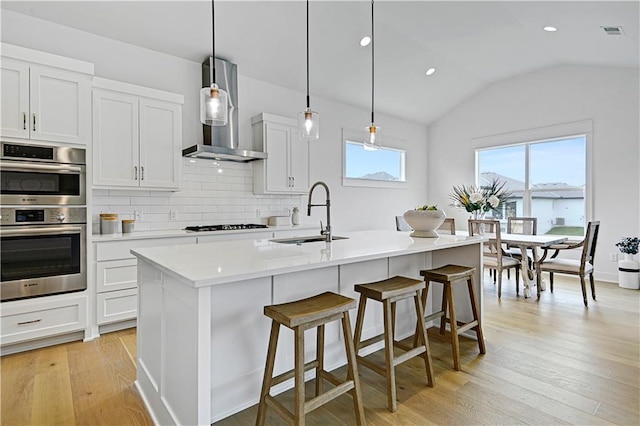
[607, 96]
[352, 208]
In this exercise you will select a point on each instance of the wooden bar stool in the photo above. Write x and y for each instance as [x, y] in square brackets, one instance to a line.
[448, 275]
[388, 292]
[299, 316]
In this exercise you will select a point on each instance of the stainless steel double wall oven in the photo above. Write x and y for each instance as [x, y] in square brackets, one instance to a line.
[43, 220]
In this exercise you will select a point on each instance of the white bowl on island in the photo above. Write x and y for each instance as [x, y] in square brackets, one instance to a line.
[424, 222]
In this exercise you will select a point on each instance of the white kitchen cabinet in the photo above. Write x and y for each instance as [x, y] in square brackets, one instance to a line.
[116, 275]
[31, 319]
[286, 170]
[137, 136]
[45, 97]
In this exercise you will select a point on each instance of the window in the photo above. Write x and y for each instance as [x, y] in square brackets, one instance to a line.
[547, 180]
[384, 167]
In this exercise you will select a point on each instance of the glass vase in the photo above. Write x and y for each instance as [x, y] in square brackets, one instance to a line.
[478, 214]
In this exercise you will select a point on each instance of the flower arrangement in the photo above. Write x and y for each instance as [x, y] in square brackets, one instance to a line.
[480, 199]
[628, 245]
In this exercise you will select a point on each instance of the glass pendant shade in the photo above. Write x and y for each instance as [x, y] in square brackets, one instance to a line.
[309, 125]
[371, 142]
[214, 106]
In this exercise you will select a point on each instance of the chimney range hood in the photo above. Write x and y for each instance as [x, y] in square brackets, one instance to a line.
[221, 142]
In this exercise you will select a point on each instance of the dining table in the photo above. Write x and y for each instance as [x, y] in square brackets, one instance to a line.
[530, 242]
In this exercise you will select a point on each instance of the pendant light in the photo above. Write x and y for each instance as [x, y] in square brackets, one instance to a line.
[308, 120]
[213, 100]
[371, 143]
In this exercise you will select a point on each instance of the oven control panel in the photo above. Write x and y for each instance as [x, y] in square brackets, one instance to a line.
[43, 216]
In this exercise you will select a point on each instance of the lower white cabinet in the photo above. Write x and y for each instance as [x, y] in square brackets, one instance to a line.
[119, 305]
[116, 275]
[31, 319]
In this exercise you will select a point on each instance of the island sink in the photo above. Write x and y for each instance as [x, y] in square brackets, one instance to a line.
[300, 240]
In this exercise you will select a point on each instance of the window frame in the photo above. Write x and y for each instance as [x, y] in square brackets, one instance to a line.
[391, 144]
[540, 135]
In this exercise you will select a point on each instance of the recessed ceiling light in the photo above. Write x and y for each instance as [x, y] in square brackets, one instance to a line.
[430, 71]
[365, 41]
[550, 29]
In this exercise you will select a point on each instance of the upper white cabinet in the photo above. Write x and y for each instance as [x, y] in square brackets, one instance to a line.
[137, 136]
[45, 97]
[286, 171]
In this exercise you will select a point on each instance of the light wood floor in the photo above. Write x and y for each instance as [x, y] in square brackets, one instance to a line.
[547, 362]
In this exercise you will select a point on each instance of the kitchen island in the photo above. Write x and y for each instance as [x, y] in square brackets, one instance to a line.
[202, 335]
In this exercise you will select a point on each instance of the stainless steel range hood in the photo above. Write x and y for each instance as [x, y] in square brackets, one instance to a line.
[221, 142]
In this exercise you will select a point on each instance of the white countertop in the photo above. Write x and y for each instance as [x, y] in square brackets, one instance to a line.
[144, 235]
[229, 261]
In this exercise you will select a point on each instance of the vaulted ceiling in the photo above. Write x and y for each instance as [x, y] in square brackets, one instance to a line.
[470, 43]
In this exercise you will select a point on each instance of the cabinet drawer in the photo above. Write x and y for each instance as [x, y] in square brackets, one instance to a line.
[116, 275]
[117, 306]
[42, 319]
[114, 250]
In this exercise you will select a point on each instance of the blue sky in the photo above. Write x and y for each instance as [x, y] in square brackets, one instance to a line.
[556, 161]
[361, 162]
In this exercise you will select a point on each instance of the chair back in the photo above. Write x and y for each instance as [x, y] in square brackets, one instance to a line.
[448, 226]
[402, 225]
[522, 225]
[590, 240]
[490, 248]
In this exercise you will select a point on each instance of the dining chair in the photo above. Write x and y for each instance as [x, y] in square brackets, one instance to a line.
[522, 226]
[580, 267]
[494, 256]
[448, 227]
[402, 225]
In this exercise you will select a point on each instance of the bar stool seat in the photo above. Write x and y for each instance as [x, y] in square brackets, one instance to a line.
[388, 292]
[299, 316]
[448, 275]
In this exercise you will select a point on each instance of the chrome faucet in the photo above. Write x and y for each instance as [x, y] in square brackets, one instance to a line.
[323, 231]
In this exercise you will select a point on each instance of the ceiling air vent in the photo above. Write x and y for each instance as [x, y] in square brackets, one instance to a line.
[613, 30]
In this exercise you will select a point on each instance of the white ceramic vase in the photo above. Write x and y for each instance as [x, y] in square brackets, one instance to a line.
[424, 222]
[629, 272]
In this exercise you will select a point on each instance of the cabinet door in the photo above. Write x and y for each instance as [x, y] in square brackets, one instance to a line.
[60, 103]
[15, 99]
[115, 139]
[277, 137]
[299, 164]
[160, 144]
[114, 306]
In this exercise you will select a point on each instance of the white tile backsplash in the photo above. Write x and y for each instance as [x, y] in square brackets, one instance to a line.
[211, 193]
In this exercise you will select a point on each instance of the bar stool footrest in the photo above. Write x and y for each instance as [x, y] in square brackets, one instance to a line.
[327, 396]
[467, 326]
[280, 409]
[371, 365]
[291, 373]
[408, 355]
[434, 315]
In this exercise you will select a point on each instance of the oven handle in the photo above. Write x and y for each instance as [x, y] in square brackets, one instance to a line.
[41, 231]
[40, 167]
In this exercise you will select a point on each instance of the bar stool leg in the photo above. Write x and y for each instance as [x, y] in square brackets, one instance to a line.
[359, 322]
[268, 373]
[454, 327]
[422, 335]
[319, 358]
[445, 296]
[298, 416]
[476, 317]
[388, 355]
[352, 372]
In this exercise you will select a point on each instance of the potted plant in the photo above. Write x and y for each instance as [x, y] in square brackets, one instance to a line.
[425, 220]
[628, 268]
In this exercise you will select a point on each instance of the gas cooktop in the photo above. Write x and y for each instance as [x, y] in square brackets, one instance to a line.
[230, 227]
